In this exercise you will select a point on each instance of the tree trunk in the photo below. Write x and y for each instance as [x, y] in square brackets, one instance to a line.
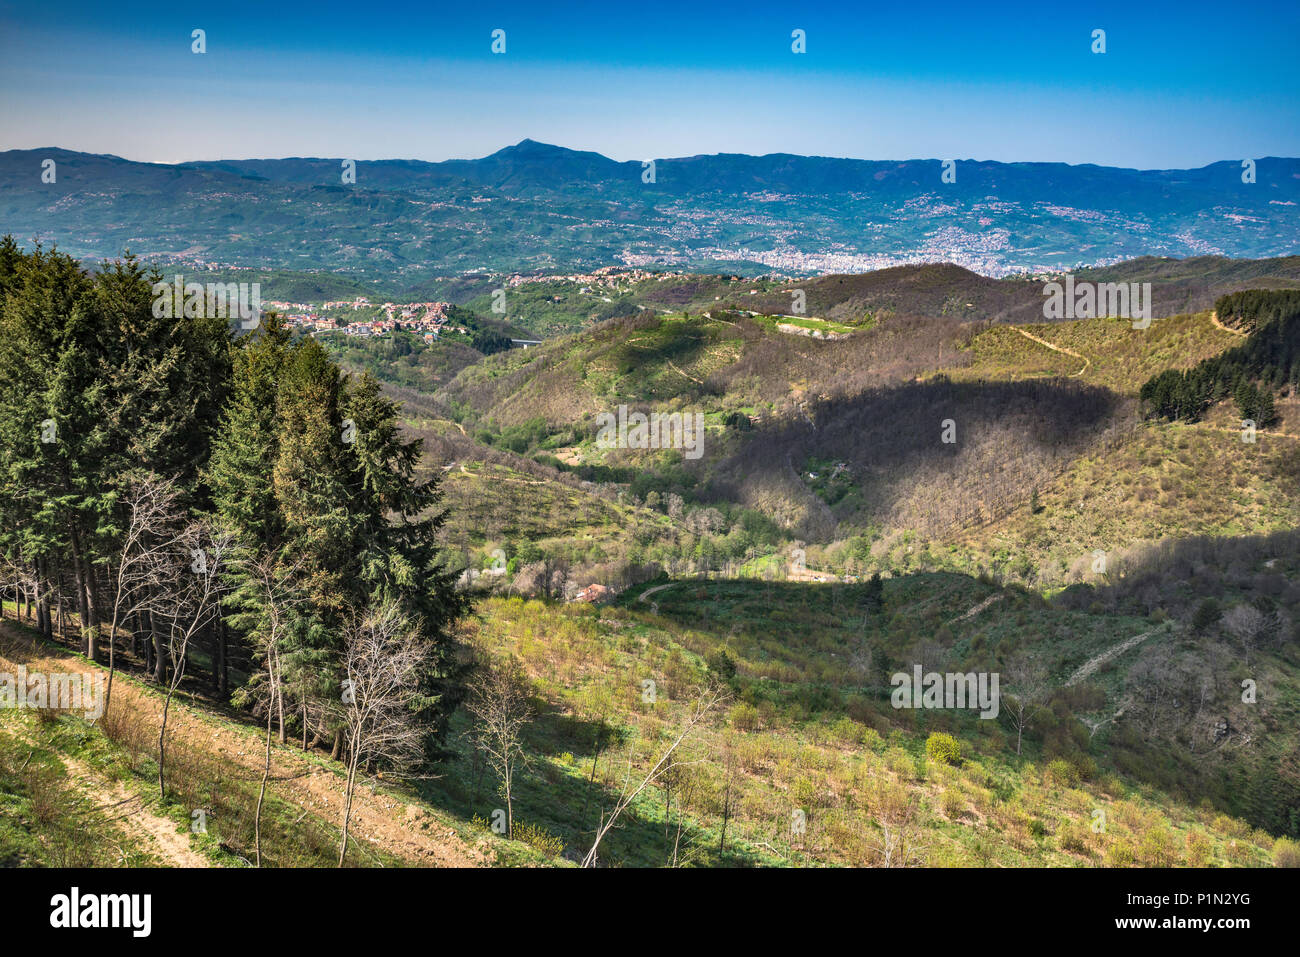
[347, 799]
[79, 581]
[261, 795]
[162, 753]
[223, 663]
[280, 708]
[92, 605]
[159, 658]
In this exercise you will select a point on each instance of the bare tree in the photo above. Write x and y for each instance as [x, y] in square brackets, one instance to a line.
[1024, 686]
[498, 703]
[21, 578]
[896, 813]
[148, 546]
[384, 658]
[728, 777]
[1247, 624]
[186, 604]
[666, 762]
[271, 601]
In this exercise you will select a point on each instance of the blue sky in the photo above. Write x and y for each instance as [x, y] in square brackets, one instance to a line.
[1180, 85]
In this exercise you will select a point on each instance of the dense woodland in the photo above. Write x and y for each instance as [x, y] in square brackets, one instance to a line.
[229, 510]
[1250, 374]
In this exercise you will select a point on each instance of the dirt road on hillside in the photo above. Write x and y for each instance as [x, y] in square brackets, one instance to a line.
[402, 828]
[1055, 348]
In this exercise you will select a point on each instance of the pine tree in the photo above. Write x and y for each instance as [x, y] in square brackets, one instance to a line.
[1247, 399]
[398, 520]
[247, 442]
[1267, 409]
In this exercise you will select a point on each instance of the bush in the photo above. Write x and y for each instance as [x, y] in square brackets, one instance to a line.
[1207, 615]
[943, 748]
[536, 836]
[744, 717]
[1198, 849]
[1238, 852]
[1286, 853]
[1158, 848]
[722, 667]
[848, 731]
[1073, 838]
[1120, 854]
[1062, 773]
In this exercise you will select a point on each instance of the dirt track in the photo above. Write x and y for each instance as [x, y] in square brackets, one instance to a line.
[404, 829]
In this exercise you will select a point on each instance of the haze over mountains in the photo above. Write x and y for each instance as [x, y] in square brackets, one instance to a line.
[534, 206]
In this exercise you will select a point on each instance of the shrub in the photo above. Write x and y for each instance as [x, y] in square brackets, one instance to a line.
[953, 804]
[848, 731]
[1207, 615]
[722, 666]
[1286, 853]
[536, 836]
[1158, 848]
[1086, 767]
[1198, 849]
[1072, 837]
[901, 763]
[744, 717]
[804, 793]
[1120, 854]
[943, 748]
[1062, 773]
[1238, 852]
[1231, 826]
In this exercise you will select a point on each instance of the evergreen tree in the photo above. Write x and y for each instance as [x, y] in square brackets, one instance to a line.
[398, 518]
[1266, 413]
[1247, 399]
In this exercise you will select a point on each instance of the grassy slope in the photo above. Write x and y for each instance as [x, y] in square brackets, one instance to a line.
[808, 727]
[803, 732]
[1164, 479]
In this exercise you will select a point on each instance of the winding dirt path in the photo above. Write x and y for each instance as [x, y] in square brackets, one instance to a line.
[401, 827]
[686, 375]
[1214, 318]
[158, 833]
[1055, 348]
[1114, 651]
[650, 591]
[976, 609]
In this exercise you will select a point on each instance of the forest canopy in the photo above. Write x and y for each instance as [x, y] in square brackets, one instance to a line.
[139, 454]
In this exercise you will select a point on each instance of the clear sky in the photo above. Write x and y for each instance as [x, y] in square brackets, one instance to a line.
[1180, 84]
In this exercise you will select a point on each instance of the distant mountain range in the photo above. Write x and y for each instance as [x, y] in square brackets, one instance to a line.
[538, 207]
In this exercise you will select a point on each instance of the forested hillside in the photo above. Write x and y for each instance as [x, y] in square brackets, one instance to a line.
[232, 516]
[334, 587]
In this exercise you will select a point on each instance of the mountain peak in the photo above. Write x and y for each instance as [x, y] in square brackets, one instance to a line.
[532, 147]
